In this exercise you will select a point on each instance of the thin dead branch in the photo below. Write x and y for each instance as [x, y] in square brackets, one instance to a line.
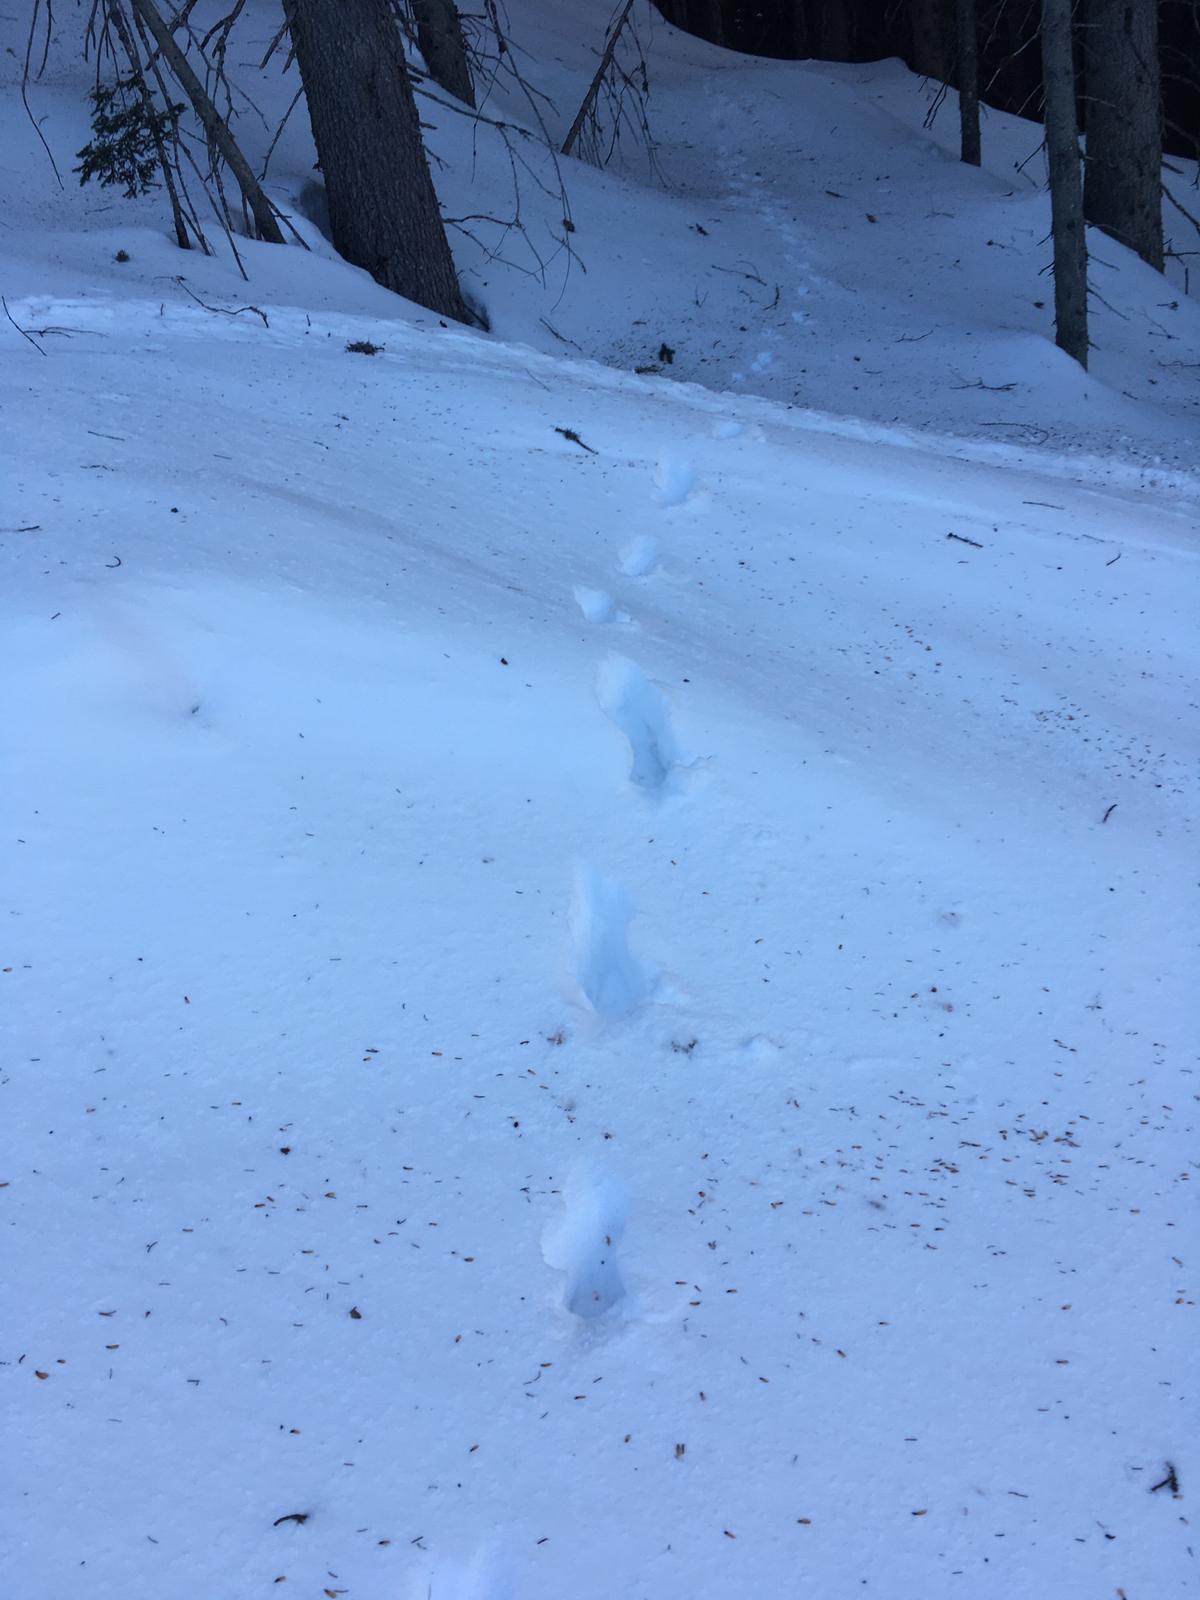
[215, 127]
[22, 331]
[586, 110]
[33, 121]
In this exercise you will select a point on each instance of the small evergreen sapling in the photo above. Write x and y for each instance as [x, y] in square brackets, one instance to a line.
[129, 133]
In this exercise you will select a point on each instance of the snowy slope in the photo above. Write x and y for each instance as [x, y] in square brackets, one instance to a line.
[606, 1021]
[801, 236]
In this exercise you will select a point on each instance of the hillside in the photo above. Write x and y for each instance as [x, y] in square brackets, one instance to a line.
[597, 965]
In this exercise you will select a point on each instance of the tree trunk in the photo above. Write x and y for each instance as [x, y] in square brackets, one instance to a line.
[933, 39]
[215, 127]
[798, 35]
[836, 24]
[441, 42]
[1066, 187]
[1122, 187]
[383, 210]
[707, 20]
[968, 80]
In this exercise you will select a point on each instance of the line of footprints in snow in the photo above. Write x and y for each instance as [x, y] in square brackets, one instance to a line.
[582, 1242]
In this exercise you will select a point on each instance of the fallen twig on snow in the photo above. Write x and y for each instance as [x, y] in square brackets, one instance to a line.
[740, 272]
[992, 388]
[569, 433]
[223, 311]
[24, 334]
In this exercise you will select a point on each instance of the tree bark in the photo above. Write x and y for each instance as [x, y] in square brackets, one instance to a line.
[707, 20]
[968, 80]
[798, 33]
[440, 40]
[383, 210]
[215, 127]
[1066, 187]
[836, 25]
[1122, 186]
[674, 12]
[933, 38]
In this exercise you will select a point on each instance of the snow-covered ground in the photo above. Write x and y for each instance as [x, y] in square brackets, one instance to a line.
[607, 1016]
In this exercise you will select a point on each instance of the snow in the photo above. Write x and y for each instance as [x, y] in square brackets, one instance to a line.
[607, 1020]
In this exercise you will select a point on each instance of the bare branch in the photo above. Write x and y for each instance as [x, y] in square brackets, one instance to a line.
[33, 122]
[24, 334]
[215, 127]
[589, 99]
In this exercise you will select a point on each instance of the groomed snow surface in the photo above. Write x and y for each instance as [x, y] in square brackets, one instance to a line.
[598, 1018]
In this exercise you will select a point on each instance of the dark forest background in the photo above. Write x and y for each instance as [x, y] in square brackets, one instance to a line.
[922, 33]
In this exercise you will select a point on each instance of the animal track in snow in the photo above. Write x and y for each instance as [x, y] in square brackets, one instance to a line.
[598, 606]
[639, 556]
[674, 480]
[583, 1242]
[638, 709]
[484, 1577]
[122, 663]
[760, 1047]
[612, 979]
[594, 603]
[875, 1065]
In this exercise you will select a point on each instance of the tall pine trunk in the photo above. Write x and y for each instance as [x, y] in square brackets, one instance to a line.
[1122, 187]
[674, 12]
[837, 24]
[797, 31]
[968, 80]
[707, 19]
[382, 206]
[932, 38]
[441, 42]
[1066, 186]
